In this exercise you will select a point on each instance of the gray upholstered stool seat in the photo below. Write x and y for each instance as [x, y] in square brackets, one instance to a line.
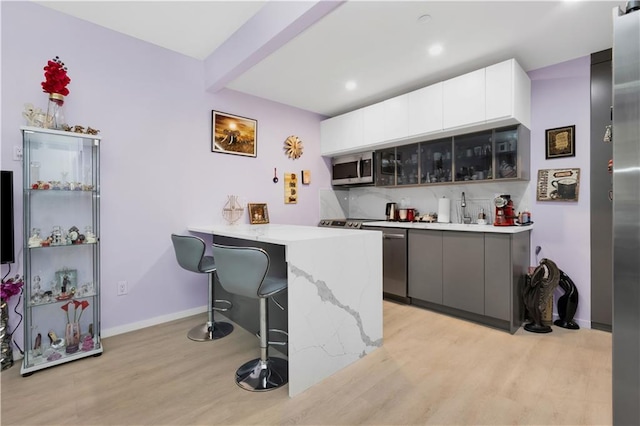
[190, 253]
[243, 271]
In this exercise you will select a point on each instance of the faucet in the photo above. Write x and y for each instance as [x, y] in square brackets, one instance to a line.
[463, 205]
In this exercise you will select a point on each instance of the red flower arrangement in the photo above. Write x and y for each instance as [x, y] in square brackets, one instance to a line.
[76, 304]
[11, 287]
[56, 78]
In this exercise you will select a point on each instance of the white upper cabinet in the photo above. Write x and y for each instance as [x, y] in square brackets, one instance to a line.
[373, 119]
[463, 100]
[425, 110]
[396, 117]
[499, 95]
[342, 133]
[508, 93]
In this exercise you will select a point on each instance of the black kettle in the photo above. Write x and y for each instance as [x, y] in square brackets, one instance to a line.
[391, 211]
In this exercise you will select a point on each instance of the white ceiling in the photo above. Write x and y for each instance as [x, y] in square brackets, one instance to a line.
[380, 44]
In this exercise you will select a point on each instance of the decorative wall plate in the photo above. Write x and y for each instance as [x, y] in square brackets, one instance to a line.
[293, 147]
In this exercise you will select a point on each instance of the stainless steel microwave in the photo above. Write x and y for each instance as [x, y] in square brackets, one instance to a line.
[355, 169]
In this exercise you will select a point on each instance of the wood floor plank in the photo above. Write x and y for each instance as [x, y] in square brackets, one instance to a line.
[432, 369]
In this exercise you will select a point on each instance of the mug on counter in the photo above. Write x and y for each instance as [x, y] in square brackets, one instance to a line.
[566, 188]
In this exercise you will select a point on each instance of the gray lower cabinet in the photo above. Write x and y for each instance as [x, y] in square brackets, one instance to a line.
[497, 275]
[463, 271]
[471, 275]
[425, 265]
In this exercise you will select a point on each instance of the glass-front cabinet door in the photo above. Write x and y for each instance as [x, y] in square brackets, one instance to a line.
[435, 161]
[61, 195]
[407, 164]
[473, 156]
[386, 167]
[506, 153]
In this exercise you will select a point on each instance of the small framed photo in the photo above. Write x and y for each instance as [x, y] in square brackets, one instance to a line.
[306, 177]
[232, 134]
[66, 280]
[258, 213]
[561, 142]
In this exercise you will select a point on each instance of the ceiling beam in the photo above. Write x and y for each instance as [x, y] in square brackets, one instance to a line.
[275, 24]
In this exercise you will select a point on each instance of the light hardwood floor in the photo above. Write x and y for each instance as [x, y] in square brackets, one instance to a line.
[432, 369]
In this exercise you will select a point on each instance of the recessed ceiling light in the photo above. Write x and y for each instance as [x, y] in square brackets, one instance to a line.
[423, 19]
[435, 50]
[350, 85]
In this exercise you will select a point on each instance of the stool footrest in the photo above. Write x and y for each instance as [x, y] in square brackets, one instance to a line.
[218, 309]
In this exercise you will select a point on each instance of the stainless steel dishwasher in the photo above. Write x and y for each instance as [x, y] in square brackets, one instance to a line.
[394, 263]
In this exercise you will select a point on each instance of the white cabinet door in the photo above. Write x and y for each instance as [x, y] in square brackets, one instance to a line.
[396, 117]
[464, 100]
[342, 133]
[425, 110]
[373, 119]
[508, 93]
[499, 87]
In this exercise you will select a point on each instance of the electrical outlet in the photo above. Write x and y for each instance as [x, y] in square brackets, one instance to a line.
[123, 288]
[17, 153]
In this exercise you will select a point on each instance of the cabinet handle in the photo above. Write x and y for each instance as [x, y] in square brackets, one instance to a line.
[393, 237]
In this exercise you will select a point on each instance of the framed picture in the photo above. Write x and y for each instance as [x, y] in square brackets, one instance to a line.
[558, 185]
[290, 188]
[232, 134]
[306, 177]
[258, 213]
[66, 279]
[561, 142]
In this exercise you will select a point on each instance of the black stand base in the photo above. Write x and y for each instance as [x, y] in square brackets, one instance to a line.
[537, 328]
[566, 324]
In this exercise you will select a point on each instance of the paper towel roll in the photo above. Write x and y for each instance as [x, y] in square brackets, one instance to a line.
[444, 210]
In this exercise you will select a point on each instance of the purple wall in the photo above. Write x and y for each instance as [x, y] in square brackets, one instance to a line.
[561, 97]
[157, 172]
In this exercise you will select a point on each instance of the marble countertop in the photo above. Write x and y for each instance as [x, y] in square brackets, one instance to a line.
[452, 227]
[274, 233]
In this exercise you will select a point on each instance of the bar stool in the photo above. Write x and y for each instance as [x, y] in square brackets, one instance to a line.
[190, 255]
[243, 271]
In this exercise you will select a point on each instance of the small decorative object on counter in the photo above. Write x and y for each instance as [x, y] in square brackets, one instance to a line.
[55, 84]
[232, 210]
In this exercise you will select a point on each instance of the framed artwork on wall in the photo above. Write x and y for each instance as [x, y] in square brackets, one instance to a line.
[561, 142]
[232, 134]
[558, 185]
[258, 213]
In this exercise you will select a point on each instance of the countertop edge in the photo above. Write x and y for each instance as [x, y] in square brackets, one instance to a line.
[451, 227]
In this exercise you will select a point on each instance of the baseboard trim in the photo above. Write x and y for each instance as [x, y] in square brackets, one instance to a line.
[114, 331]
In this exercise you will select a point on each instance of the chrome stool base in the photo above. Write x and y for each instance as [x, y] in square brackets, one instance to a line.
[202, 332]
[258, 376]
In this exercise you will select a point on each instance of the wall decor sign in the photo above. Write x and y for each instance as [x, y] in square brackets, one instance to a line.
[561, 142]
[258, 213]
[306, 177]
[290, 188]
[558, 185]
[232, 134]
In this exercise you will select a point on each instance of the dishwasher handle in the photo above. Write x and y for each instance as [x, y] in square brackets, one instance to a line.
[393, 236]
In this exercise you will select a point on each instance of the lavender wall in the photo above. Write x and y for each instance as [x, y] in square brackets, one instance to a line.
[561, 97]
[157, 172]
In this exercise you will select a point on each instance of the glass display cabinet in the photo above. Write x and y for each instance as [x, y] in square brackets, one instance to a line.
[490, 155]
[61, 207]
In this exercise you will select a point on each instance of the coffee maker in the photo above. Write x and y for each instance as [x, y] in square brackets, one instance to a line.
[504, 211]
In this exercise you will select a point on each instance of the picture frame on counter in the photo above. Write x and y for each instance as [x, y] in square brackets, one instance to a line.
[258, 213]
[233, 134]
[561, 142]
[558, 185]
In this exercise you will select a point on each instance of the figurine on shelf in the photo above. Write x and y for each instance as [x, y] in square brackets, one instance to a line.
[89, 236]
[34, 239]
[91, 131]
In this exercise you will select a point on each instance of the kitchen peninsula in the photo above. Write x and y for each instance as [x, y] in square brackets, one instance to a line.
[334, 295]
